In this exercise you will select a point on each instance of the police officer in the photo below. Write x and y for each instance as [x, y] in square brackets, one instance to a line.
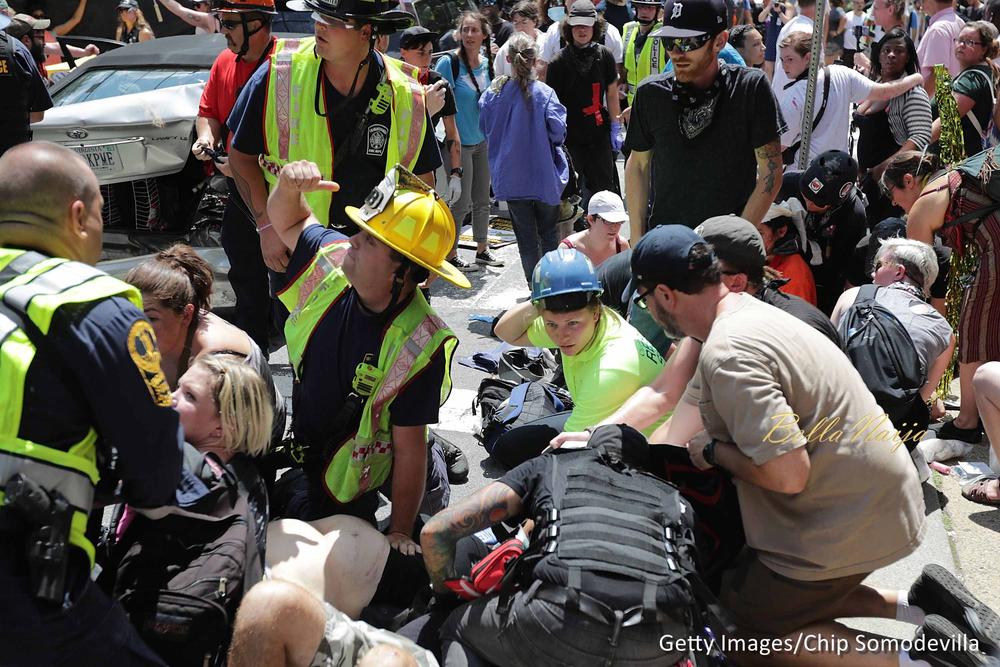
[643, 56]
[23, 95]
[372, 359]
[85, 408]
[352, 110]
[835, 220]
[246, 25]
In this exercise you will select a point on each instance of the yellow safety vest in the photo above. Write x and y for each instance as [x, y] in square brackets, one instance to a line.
[415, 335]
[650, 60]
[293, 131]
[33, 287]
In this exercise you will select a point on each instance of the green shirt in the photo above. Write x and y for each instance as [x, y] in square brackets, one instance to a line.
[602, 376]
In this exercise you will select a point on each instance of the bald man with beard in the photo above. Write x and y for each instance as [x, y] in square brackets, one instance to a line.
[82, 386]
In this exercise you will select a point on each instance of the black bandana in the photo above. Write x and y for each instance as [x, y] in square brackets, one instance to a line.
[697, 106]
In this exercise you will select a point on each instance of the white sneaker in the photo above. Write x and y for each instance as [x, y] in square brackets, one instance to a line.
[936, 449]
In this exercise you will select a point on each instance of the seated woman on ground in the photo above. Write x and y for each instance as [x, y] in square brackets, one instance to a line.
[176, 286]
[605, 360]
[602, 238]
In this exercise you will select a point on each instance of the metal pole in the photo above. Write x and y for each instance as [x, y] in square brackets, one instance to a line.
[815, 62]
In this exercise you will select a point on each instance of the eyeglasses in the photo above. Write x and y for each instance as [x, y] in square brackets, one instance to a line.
[640, 298]
[608, 222]
[686, 44]
[967, 42]
[228, 25]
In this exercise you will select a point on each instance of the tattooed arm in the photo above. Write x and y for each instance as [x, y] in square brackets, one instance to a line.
[491, 505]
[769, 172]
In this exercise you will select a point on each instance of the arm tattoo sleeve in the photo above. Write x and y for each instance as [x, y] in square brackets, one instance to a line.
[770, 152]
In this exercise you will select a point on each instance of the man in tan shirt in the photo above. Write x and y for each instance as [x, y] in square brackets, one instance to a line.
[828, 493]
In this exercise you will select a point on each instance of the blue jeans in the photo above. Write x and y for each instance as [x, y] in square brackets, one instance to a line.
[535, 230]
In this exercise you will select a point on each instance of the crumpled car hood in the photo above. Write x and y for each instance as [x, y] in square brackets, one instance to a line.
[143, 135]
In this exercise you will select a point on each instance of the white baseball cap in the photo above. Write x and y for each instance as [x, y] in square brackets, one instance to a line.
[608, 205]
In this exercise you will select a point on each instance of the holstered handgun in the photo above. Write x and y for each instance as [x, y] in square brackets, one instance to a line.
[49, 516]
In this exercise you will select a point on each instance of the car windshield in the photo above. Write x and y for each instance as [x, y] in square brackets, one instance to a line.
[99, 84]
[439, 15]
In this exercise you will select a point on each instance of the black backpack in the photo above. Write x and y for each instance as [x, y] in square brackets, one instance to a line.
[181, 578]
[503, 405]
[883, 353]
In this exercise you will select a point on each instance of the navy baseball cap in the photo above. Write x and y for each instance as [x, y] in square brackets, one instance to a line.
[692, 18]
[662, 256]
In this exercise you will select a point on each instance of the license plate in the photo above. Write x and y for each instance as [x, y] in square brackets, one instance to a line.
[102, 159]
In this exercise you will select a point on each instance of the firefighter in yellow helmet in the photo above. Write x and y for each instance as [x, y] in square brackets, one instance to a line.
[371, 358]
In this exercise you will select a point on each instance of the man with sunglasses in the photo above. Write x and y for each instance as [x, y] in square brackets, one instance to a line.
[334, 100]
[707, 134]
[246, 25]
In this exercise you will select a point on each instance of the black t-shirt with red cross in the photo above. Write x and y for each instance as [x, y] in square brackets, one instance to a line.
[583, 93]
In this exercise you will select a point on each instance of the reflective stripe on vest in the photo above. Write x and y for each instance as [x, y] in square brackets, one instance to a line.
[33, 288]
[415, 335]
[293, 131]
[649, 61]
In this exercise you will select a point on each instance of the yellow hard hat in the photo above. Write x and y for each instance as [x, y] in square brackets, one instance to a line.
[408, 216]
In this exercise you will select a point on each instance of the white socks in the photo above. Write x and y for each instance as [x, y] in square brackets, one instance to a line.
[907, 613]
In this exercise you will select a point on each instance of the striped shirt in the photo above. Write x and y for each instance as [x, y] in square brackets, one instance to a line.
[910, 117]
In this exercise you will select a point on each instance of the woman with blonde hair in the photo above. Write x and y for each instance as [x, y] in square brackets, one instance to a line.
[525, 127]
[132, 24]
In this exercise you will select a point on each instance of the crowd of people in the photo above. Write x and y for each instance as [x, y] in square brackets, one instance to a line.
[749, 346]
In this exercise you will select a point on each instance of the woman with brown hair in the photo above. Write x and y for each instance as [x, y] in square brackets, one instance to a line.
[974, 89]
[132, 25]
[934, 200]
[469, 70]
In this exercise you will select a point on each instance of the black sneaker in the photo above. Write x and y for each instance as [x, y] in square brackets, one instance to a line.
[462, 265]
[458, 465]
[938, 591]
[948, 431]
[488, 258]
[941, 643]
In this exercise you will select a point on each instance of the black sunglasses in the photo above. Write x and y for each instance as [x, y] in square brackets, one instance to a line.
[232, 25]
[686, 44]
[640, 298]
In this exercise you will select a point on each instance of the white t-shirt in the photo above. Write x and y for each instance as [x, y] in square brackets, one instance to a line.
[612, 40]
[502, 67]
[854, 21]
[846, 87]
[798, 24]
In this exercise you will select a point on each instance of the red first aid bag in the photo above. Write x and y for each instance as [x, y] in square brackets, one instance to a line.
[487, 573]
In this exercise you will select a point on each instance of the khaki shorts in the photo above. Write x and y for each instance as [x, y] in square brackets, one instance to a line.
[765, 602]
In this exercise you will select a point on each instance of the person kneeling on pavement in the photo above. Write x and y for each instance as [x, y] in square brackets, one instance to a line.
[609, 571]
[604, 359]
[371, 358]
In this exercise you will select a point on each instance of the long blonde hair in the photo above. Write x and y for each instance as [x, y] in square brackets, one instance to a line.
[244, 403]
[140, 22]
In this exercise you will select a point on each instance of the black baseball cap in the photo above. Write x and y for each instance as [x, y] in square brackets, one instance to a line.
[692, 18]
[662, 256]
[415, 36]
[735, 241]
[829, 178]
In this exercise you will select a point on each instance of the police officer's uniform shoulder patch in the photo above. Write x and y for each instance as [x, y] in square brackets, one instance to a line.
[146, 357]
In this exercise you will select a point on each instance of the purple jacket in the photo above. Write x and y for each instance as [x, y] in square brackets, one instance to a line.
[525, 142]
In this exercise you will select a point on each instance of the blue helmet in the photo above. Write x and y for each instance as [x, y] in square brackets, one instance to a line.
[563, 271]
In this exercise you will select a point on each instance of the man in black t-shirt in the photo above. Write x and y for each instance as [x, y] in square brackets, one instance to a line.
[500, 29]
[585, 78]
[708, 135]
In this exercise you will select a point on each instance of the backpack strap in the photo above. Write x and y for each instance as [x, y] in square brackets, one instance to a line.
[972, 116]
[789, 153]
[515, 404]
[453, 58]
[865, 294]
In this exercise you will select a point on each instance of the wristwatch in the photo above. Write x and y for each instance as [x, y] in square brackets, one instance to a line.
[457, 171]
[709, 453]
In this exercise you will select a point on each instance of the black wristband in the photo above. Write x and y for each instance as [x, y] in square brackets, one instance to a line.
[709, 453]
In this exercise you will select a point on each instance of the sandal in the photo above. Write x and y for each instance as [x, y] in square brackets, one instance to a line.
[976, 491]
